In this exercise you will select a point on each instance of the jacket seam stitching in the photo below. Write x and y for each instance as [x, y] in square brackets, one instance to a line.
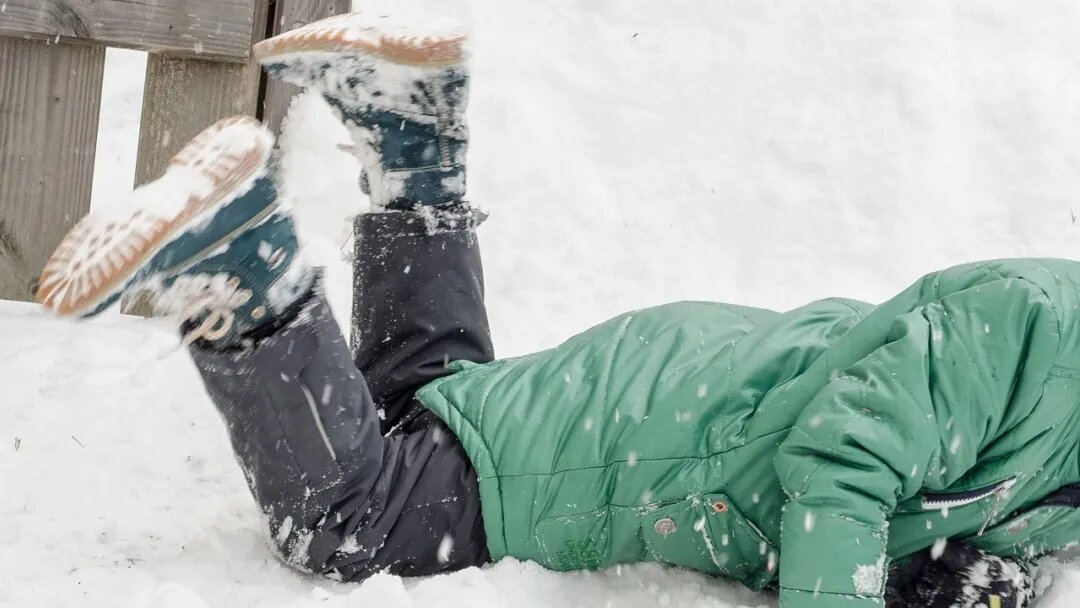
[639, 460]
[619, 336]
[856, 312]
[1065, 372]
[833, 593]
[1053, 308]
[488, 456]
[1047, 299]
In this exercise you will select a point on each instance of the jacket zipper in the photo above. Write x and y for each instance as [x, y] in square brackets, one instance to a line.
[953, 500]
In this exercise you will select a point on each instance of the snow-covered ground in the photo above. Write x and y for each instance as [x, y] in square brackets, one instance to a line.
[631, 152]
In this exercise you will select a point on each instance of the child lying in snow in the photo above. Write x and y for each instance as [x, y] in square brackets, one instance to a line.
[828, 450]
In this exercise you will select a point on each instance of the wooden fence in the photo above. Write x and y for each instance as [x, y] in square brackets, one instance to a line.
[52, 59]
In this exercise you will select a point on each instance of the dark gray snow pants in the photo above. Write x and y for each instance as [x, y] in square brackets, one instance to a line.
[352, 474]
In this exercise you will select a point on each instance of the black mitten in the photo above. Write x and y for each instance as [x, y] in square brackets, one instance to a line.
[962, 576]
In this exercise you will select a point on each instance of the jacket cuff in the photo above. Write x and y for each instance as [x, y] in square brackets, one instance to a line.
[793, 598]
[831, 556]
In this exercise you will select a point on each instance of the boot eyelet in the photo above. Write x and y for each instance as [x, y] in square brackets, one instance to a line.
[234, 282]
[258, 313]
[719, 507]
[243, 296]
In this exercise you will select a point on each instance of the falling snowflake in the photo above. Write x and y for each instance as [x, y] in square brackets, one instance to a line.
[939, 548]
[446, 545]
[869, 578]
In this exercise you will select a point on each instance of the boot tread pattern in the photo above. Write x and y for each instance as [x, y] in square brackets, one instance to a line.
[107, 248]
[438, 45]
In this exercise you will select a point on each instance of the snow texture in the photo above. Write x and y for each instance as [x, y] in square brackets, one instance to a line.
[869, 579]
[631, 153]
[977, 578]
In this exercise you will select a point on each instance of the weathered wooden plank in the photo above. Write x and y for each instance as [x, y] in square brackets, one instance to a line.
[212, 29]
[49, 101]
[180, 99]
[291, 14]
[183, 96]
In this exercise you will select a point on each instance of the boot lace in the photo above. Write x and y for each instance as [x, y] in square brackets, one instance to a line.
[216, 296]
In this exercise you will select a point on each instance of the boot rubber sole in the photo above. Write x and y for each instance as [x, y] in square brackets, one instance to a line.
[372, 35]
[101, 254]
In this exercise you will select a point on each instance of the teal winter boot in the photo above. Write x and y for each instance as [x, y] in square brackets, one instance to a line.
[401, 89]
[208, 240]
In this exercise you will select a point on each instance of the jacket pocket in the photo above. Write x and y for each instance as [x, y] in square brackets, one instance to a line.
[1053, 524]
[1033, 533]
[708, 533]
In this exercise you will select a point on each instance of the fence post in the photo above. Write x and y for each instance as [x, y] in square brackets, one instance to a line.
[50, 95]
[289, 15]
[181, 97]
[184, 96]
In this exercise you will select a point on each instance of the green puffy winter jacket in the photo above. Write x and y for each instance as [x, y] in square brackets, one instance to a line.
[814, 446]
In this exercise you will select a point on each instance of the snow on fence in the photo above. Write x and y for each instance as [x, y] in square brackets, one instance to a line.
[52, 59]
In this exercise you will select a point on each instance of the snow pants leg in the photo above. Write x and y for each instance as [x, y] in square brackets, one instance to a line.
[352, 474]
